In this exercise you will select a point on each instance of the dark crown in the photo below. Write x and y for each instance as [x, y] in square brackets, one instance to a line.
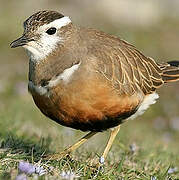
[40, 18]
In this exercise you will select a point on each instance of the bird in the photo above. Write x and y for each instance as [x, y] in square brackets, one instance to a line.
[86, 79]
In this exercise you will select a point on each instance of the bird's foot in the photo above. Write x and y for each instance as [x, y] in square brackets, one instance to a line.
[100, 164]
[98, 168]
[58, 156]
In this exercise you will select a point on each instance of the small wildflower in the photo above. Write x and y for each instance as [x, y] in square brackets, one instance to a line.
[21, 177]
[133, 147]
[63, 173]
[27, 168]
[153, 178]
[40, 170]
[172, 170]
[101, 160]
[68, 175]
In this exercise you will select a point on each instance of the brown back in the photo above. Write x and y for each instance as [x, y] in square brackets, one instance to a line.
[122, 64]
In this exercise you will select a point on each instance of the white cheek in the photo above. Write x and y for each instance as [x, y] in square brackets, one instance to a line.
[38, 50]
[32, 51]
[49, 43]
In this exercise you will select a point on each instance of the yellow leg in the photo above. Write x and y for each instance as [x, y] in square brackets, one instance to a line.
[114, 132]
[71, 148]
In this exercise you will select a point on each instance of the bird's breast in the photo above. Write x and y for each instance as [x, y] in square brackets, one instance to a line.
[87, 103]
[43, 85]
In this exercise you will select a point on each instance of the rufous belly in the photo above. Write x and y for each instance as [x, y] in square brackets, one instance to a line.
[87, 105]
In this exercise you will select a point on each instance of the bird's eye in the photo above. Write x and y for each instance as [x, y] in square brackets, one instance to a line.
[51, 31]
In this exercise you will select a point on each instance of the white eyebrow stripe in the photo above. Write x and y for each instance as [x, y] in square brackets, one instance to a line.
[58, 23]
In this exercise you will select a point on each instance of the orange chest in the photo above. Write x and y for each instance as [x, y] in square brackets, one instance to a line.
[85, 105]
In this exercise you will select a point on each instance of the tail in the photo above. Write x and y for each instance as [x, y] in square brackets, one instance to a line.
[170, 71]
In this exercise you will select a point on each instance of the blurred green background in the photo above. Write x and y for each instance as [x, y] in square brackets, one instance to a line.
[151, 25]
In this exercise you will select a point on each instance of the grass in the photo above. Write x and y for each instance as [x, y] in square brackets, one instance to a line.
[142, 149]
[25, 134]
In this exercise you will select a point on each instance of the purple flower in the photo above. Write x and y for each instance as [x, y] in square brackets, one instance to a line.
[21, 177]
[27, 168]
[172, 170]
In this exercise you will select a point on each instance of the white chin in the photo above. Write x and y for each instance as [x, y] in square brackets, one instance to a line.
[33, 53]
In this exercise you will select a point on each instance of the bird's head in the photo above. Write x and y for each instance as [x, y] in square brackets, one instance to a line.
[42, 33]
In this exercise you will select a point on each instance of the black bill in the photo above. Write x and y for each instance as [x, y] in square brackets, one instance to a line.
[23, 40]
